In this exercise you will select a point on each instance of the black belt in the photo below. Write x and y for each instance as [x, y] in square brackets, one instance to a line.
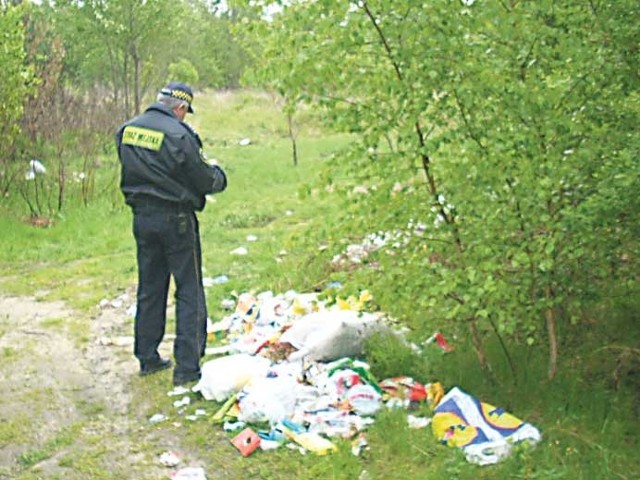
[159, 205]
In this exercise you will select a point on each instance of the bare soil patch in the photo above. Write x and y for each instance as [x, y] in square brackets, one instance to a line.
[67, 406]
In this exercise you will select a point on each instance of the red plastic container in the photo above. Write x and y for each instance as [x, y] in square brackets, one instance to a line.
[246, 441]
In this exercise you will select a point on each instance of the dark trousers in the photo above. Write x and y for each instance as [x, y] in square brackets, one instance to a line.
[168, 244]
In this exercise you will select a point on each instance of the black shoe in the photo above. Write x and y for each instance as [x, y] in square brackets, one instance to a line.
[149, 368]
[179, 380]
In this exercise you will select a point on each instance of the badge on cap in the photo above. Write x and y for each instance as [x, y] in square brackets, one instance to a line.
[179, 91]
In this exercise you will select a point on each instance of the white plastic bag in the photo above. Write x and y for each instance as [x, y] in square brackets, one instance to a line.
[223, 376]
[327, 335]
[268, 399]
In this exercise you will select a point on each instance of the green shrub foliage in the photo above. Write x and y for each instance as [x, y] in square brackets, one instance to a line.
[15, 86]
[506, 130]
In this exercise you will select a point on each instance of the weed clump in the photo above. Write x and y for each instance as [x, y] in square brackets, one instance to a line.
[390, 356]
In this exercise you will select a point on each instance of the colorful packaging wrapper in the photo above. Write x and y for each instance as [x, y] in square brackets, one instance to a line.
[485, 433]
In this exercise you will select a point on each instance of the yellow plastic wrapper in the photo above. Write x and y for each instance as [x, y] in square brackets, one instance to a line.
[435, 392]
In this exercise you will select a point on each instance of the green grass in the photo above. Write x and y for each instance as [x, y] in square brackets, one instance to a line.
[59, 441]
[14, 430]
[589, 427]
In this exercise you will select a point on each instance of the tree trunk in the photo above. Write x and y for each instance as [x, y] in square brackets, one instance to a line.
[61, 181]
[125, 84]
[478, 346]
[136, 78]
[292, 136]
[553, 335]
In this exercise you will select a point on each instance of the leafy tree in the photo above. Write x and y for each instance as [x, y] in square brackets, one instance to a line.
[183, 71]
[211, 48]
[132, 47]
[518, 118]
[16, 85]
[125, 45]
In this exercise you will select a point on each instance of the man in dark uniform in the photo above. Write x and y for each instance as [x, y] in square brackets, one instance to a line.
[164, 180]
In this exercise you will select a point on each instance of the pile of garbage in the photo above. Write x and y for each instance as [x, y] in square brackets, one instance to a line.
[307, 406]
[288, 372]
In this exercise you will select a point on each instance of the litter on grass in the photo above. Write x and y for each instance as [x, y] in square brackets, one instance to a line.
[189, 473]
[289, 369]
[485, 433]
[36, 168]
[211, 281]
[169, 459]
[157, 418]
[247, 441]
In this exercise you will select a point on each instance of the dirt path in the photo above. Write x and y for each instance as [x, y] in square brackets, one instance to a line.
[67, 409]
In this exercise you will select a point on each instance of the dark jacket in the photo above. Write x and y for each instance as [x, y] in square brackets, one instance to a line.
[161, 162]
